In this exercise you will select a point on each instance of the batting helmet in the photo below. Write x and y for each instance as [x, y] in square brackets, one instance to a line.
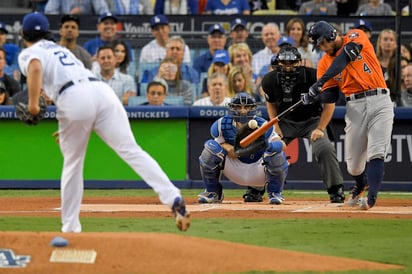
[240, 100]
[322, 30]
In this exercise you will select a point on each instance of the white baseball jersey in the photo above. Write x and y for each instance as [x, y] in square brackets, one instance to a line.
[56, 71]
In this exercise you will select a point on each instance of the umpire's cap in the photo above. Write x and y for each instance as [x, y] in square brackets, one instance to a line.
[322, 30]
[35, 22]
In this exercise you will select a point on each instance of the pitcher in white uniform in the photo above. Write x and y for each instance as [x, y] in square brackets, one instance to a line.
[85, 104]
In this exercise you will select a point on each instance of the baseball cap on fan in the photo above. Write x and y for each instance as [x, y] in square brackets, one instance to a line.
[216, 28]
[158, 20]
[221, 56]
[35, 22]
[285, 40]
[107, 15]
[363, 24]
[238, 22]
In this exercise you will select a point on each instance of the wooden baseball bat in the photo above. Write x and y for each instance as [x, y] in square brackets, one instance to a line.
[260, 131]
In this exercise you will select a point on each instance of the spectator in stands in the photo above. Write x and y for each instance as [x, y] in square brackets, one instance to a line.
[11, 85]
[386, 46]
[175, 48]
[296, 29]
[346, 7]
[4, 95]
[238, 31]
[76, 7]
[227, 7]
[130, 7]
[239, 81]
[122, 55]
[156, 93]
[12, 51]
[374, 8]
[241, 55]
[318, 7]
[123, 84]
[406, 94]
[107, 28]
[176, 7]
[217, 89]
[69, 33]
[155, 50]
[221, 64]
[406, 51]
[364, 25]
[216, 40]
[170, 72]
[270, 38]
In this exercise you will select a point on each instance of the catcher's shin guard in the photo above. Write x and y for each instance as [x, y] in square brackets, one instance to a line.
[211, 163]
[276, 169]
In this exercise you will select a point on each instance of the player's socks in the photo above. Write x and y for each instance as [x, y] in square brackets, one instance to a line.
[375, 177]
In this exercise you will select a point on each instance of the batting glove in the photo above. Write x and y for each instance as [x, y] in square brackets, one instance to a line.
[315, 89]
[307, 99]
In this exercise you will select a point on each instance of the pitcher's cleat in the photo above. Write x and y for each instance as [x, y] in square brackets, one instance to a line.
[182, 215]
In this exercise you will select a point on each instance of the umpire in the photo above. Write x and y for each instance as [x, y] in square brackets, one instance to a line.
[283, 87]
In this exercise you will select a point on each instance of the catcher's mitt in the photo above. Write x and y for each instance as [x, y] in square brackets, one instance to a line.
[20, 101]
[256, 146]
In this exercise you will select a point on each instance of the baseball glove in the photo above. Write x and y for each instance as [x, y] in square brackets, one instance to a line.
[20, 102]
[256, 146]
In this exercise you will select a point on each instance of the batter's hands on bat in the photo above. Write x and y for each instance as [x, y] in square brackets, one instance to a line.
[307, 99]
[315, 89]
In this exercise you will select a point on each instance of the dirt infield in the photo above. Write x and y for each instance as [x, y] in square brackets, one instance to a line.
[167, 253]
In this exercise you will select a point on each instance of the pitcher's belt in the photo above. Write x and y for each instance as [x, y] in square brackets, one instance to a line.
[71, 83]
[363, 94]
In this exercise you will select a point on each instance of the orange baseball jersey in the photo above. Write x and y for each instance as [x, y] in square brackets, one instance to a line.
[363, 74]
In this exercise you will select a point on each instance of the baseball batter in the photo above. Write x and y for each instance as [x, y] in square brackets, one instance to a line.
[84, 104]
[262, 162]
[350, 64]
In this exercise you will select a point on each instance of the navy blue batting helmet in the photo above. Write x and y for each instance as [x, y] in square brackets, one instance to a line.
[242, 99]
[322, 30]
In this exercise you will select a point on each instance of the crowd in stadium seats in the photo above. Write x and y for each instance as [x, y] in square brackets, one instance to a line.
[168, 57]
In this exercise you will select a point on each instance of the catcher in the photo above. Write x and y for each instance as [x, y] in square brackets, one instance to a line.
[261, 163]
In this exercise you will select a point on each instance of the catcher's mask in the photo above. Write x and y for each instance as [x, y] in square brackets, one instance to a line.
[321, 30]
[288, 60]
[243, 107]
[288, 64]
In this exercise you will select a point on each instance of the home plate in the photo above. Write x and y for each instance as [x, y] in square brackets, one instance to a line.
[67, 255]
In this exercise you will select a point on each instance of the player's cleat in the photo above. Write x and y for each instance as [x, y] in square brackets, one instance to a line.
[355, 196]
[182, 215]
[337, 196]
[363, 204]
[253, 195]
[276, 198]
[210, 198]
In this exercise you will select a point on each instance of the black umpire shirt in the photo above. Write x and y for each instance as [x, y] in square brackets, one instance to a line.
[285, 93]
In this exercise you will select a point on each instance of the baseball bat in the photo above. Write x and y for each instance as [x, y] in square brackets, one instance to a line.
[260, 131]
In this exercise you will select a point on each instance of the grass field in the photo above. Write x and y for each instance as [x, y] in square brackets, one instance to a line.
[379, 240]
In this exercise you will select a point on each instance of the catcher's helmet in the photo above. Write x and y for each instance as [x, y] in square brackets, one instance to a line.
[322, 30]
[240, 100]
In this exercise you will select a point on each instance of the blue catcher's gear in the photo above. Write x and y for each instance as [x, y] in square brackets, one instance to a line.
[242, 100]
[276, 169]
[322, 30]
[211, 164]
